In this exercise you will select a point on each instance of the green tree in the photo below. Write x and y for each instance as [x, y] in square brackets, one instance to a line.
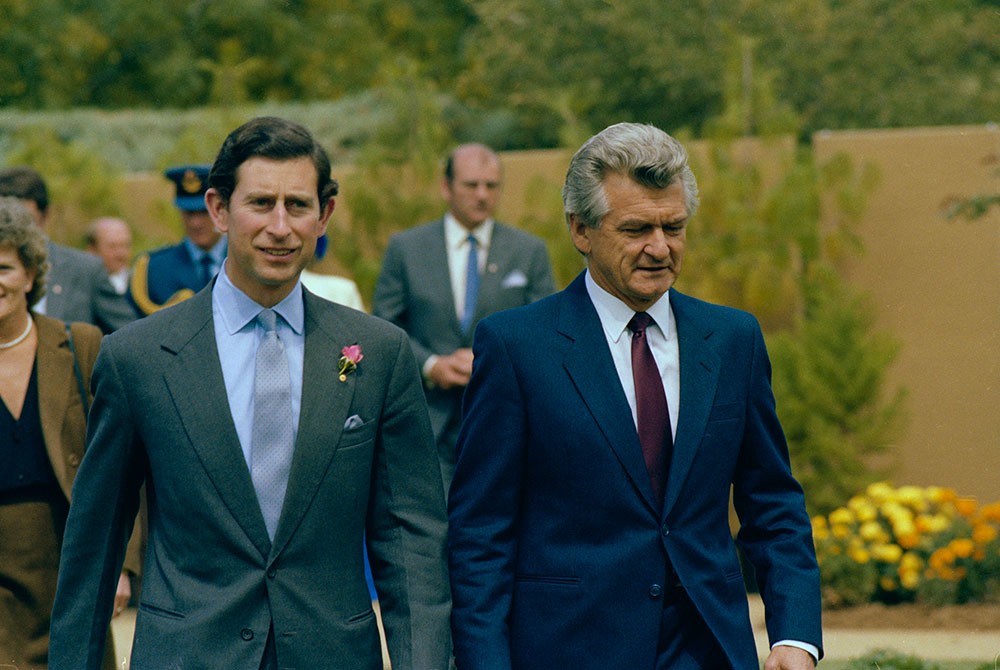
[759, 243]
[881, 63]
[830, 382]
[81, 185]
[393, 185]
[569, 68]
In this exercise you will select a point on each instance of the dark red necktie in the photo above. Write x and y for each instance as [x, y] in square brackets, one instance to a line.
[652, 414]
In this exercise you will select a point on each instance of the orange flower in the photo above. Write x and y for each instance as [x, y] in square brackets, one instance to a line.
[941, 559]
[966, 506]
[991, 512]
[962, 547]
[983, 533]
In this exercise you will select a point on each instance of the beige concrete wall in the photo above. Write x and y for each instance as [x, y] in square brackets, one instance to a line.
[936, 285]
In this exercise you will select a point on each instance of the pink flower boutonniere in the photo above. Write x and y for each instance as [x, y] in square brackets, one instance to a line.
[349, 359]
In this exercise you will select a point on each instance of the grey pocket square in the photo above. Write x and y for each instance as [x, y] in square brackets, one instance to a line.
[353, 421]
[515, 279]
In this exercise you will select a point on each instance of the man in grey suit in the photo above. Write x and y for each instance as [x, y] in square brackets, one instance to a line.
[429, 287]
[78, 288]
[257, 518]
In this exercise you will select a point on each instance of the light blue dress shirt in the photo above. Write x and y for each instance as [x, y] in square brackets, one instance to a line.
[237, 335]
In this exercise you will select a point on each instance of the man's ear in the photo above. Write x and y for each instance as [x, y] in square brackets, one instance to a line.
[579, 232]
[218, 209]
[324, 216]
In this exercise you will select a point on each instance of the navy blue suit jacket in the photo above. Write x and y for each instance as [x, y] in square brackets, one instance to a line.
[559, 554]
[163, 278]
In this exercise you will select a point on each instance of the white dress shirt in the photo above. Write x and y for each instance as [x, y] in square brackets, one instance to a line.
[237, 335]
[456, 242]
[456, 239]
[662, 338]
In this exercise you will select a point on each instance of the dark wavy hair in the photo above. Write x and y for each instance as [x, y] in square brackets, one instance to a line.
[274, 138]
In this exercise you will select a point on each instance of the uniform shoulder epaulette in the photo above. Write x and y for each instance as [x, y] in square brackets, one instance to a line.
[139, 288]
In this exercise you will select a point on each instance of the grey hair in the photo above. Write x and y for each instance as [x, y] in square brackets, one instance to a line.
[639, 151]
[19, 233]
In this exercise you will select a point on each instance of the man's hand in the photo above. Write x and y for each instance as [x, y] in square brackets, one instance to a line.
[452, 370]
[123, 594]
[789, 658]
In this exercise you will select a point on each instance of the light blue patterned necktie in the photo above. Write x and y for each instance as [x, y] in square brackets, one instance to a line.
[471, 284]
[272, 441]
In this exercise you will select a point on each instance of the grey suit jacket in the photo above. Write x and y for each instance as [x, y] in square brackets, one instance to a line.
[214, 582]
[78, 289]
[414, 292]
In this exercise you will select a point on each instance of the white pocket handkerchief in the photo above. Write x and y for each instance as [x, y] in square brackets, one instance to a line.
[515, 279]
[353, 421]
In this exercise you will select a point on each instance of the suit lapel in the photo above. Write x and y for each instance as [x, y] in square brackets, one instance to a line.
[498, 262]
[325, 404]
[195, 382]
[439, 274]
[55, 383]
[591, 368]
[699, 371]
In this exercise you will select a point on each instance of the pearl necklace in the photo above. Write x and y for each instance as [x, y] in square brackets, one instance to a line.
[20, 338]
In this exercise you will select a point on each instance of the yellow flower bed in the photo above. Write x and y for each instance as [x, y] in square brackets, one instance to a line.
[909, 544]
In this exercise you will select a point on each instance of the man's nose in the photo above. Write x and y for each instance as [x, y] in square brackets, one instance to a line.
[657, 244]
[279, 221]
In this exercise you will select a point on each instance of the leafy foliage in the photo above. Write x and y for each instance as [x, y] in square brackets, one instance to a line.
[530, 73]
[829, 376]
[887, 659]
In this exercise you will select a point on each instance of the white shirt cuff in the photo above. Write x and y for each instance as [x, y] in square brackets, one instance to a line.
[426, 370]
[813, 650]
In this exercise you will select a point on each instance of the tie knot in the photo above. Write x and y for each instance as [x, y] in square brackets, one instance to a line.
[472, 240]
[639, 323]
[268, 318]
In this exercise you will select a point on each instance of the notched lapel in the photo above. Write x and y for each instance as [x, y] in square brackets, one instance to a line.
[592, 370]
[699, 376]
[326, 402]
[194, 379]
[55, 383]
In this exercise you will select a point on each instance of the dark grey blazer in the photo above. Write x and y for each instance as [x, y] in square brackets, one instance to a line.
[77, 289]
[414, 292]
[214, 582]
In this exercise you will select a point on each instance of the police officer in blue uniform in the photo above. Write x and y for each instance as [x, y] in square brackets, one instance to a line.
[171, 274]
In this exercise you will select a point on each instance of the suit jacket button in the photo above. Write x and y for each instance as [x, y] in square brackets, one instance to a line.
[655, 591]
[272, 573]
[246, 634]
[665, 530]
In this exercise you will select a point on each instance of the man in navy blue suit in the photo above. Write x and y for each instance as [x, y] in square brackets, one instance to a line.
[604, 428]
[174, 273]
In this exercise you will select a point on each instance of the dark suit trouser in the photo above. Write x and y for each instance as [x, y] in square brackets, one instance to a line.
[686, 643]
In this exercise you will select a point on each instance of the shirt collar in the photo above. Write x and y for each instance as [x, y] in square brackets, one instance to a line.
[237, 309]
[455, 234]
[615, 314]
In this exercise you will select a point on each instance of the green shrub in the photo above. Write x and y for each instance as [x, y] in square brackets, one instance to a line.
[887, 659]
